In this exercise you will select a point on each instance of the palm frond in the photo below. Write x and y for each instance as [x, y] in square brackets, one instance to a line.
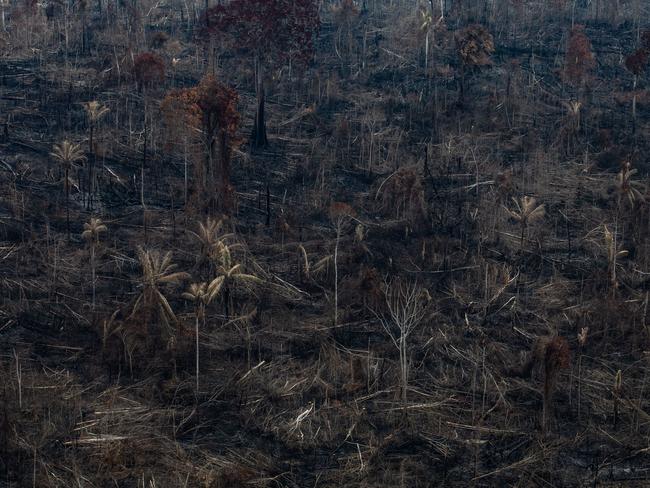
[215, 287]
[95, 110]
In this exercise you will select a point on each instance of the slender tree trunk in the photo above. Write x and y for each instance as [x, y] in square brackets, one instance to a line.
[634, 106]
[200, 313]
[91, 164]
[185, 177]
[336, 273]
[67, 203]
[268, 202]
[92, 269]
[259, 127]
[142, 168]
[224, 172]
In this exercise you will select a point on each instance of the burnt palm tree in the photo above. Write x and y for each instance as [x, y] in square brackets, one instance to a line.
[91, 232]
[157, 271]
[68, 155]
[95, 111]
[229, 272]
[526, 212]
[626, 187]
[202, 295]
[208, 235]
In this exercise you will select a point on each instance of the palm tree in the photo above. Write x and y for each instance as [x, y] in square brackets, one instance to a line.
[526, 213]
[626, 187]
[95, 112]
[202, 295]
[91, 232]
[426, 19]
[228, 272]
[208, 237]
[614, 252]
[157, 270]
[68, 155]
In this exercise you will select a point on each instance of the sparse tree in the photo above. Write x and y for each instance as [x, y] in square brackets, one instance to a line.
[407, 305]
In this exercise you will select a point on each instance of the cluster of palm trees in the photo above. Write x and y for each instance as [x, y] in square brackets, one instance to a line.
[70, 156]
[220, 273]
[158, 270]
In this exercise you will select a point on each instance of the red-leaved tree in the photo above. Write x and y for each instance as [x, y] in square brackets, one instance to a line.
[207, 116]
[579, 57]
[272, 32]
[148, 69]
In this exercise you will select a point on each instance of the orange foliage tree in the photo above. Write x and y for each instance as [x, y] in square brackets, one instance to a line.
[579, 59]
[475, 45]
[148, 69]
[207, 116]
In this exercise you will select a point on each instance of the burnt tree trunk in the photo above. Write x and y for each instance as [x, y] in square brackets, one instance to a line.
[259, 138]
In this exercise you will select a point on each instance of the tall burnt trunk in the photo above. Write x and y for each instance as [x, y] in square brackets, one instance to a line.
[259, 127]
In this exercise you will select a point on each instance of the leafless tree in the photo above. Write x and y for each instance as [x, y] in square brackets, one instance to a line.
[407, 304]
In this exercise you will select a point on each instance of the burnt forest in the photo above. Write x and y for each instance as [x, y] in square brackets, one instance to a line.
[324, 243]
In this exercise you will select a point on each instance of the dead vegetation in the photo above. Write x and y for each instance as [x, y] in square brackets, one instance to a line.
[427, 267]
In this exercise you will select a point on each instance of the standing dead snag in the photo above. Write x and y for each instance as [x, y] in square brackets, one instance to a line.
[345, 13]
[617, 390]
[95, 111]
[551, 354]
[636, 64]
[207, 115]
[340, 214]
[614, 252]
[274, 32]
[475, 45]
[407, 305]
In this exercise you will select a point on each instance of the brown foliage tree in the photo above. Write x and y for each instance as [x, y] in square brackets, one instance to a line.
[475, 45]
[207, 114]
[552, 354]
[148, 69]
[637, 61]
[579, 57]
